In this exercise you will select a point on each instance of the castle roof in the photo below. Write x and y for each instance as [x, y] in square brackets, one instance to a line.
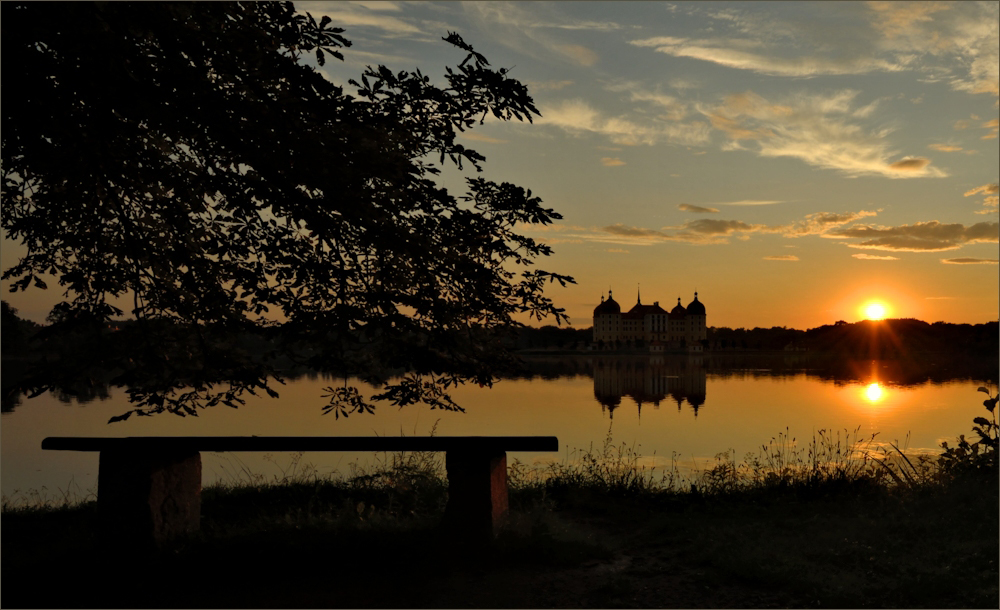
[609, 306]
[695, 307]
[640, 311]
[678, 311]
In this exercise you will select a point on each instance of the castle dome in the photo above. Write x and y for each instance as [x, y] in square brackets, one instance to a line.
[695, 307]
[609, 306]
[678, 311]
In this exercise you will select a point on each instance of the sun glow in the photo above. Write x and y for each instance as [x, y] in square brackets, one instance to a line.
[874, 392]
[875, 311]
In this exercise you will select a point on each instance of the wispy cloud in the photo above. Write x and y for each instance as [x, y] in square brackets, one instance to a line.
[930, 236]
[579, 53]
[751, 202]
[611, 162]
[952, 42]
[959, 40]
[360, 15]
[986, 189]
[529, 28]
[970, 261]
[478, 137]
[550, 85]
[945, 147]
[823, 131]
[577, 116]
[821, 223]
[990, 197]
[874, 257]
[697, 209]
[669, 107]
[782, 257]
[701, 231]
[726, 52]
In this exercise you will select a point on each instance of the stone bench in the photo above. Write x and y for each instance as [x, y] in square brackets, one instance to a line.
[149, 488]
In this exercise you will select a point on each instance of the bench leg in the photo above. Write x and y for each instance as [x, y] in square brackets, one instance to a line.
[477, 492]
[145, 499]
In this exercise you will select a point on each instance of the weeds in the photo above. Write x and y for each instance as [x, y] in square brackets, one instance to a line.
[44, 500]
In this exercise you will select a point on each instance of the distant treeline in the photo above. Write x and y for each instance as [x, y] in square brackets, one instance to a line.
[865, 339]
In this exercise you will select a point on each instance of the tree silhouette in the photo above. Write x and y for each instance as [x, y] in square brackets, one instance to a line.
[185, 157]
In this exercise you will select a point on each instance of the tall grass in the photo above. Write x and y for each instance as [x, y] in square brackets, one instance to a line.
[414, 484]
[45, 500]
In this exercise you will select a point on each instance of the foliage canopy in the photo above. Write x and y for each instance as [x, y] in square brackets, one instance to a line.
[185, 156]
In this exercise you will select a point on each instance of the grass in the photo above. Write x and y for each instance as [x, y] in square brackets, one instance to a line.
[837, 521]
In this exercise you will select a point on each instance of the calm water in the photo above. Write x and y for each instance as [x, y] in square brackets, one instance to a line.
[694, 407]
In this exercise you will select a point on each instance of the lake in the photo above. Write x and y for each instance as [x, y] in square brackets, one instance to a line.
[683, 408]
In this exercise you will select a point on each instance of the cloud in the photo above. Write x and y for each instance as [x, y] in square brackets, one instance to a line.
[970, 261]
[874, 257]
[701, 231]
[670, 107]
[697, 209]
[552, 85]
[945, 147]
[959, 40]
[725, 52]
[931, 236]
[990, 199]
[752, 202]
[578, 53]
[821, 130]
[955, 43]
[782, 257]
[910, 165]
[478, 137]
[611, 161]
[617, 250]
[528, 28]
[986, 189]
[359, 15]
[821, 223]
[576, 116]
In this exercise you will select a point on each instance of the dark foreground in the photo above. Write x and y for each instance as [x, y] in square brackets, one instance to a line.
[304, 546]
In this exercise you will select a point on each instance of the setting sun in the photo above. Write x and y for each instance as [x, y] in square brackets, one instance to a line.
[875, 311]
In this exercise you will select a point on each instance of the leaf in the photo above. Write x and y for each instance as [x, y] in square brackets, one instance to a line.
[982, 389]
[121, 417]
[982, 421]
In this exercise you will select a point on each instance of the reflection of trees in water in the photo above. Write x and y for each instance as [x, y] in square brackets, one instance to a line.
[927, 368]
[649, 380]
[644, 379]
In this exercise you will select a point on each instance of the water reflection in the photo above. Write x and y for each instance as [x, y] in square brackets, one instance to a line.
[646, 380]
[649, 380]
[874, 393]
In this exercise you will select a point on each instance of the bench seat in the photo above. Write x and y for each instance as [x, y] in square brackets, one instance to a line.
[149, 488]
[304, 443]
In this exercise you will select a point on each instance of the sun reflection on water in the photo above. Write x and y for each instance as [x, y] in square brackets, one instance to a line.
[874, 393]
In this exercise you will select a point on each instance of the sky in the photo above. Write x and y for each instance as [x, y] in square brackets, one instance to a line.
[791, 162]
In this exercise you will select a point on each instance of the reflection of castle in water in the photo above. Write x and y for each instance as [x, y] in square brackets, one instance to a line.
[649, 380]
